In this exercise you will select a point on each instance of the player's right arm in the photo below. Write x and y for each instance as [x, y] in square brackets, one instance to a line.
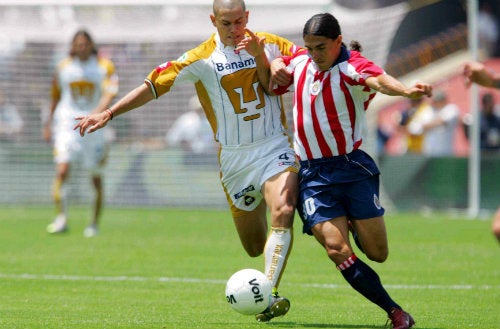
[134, 99]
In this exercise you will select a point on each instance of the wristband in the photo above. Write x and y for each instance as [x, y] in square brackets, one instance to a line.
[108, 111]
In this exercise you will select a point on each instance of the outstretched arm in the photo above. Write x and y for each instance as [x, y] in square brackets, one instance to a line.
[475, 72]
[388, 85]
[134, 99]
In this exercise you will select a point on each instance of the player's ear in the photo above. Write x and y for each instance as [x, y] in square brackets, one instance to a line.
[212, 18]
[339, 39]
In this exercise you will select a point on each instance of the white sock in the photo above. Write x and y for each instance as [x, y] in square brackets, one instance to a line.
[276, 251]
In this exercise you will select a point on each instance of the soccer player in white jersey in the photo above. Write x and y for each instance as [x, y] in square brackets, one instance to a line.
[83, 84]
[339, 183]
[257, 163]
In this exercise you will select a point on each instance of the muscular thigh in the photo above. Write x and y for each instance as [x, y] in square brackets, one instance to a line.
[373, 236]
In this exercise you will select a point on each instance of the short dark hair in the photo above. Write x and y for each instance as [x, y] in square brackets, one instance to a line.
[324, 25]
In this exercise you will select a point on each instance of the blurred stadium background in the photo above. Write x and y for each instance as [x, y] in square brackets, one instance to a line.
[411, 39]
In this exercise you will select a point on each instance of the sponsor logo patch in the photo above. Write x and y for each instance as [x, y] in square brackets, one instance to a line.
[244, 191]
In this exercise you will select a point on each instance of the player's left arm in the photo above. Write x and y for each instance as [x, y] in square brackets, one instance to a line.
[388, 85]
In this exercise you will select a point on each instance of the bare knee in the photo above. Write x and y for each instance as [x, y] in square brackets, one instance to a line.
[282, 216]
[254, 248]
[253, 252]
[379, 255]
[337, 252]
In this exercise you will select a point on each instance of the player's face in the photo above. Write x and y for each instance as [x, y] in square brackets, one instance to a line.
[82, 47]
[230, 24]
[323, 51]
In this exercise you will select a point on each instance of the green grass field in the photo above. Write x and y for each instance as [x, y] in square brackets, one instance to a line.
[166, 268]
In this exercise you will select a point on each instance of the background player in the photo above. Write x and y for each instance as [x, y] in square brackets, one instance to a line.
[257, 164]
[83, 83]
[475, 72]
[339, 183]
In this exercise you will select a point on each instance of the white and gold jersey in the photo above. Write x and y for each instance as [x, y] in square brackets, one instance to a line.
[79, 85]
[238, 109]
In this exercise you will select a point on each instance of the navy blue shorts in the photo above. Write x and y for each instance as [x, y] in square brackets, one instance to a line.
[345, 185]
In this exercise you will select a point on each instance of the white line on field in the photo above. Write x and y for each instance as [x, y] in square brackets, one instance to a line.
[124, 278]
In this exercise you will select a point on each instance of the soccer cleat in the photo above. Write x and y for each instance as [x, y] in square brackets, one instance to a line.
[58, 225]
[400, 319]
[90, 231]
[278, 306]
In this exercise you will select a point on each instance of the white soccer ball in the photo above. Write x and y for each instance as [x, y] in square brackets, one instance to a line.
[248, 291]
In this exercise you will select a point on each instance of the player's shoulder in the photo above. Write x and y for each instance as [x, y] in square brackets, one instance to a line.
[65, 62]
[104, 60]
[202, 51]
[106, 64]
[355, 54]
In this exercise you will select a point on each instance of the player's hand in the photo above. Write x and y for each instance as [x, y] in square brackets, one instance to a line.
[279, 74]
[420, 89]
[476, 72]
[91, 123]
[252, 43]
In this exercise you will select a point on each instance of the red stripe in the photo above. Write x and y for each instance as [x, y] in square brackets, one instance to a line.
[333, 117]
[347, 263]
[320, 137]
[351, 109]
[300, 111]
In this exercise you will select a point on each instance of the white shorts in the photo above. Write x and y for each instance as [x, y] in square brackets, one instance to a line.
[244, 169]
[90, 150]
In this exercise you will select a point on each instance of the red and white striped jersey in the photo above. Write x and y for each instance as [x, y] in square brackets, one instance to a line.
[329, 106]
[228, 87]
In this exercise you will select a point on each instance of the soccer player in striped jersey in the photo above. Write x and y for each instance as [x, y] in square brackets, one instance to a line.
[339, 183]
[257, 163]
[83, 83]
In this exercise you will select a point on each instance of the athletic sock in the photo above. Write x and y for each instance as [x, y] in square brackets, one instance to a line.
[276, 251]
[59, 193]
[367, 282]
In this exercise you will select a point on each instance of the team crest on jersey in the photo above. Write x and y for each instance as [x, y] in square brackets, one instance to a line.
[315, 87]
[376, 201]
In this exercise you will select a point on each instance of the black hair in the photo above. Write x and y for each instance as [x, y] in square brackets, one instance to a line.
[326, 25]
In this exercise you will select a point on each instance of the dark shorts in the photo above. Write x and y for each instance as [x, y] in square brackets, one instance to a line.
[346, 185]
